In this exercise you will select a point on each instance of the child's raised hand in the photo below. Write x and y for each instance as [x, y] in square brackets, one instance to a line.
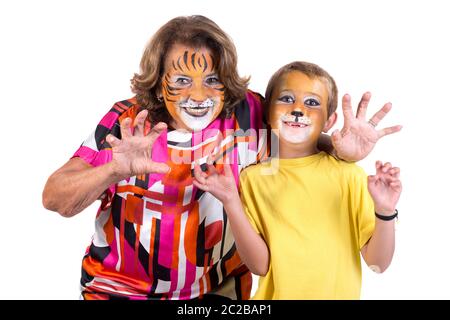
[358, 137]
[220, 184]
[385, 188]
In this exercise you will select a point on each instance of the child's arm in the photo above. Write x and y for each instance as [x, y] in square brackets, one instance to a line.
[385, 188]
[251, 247]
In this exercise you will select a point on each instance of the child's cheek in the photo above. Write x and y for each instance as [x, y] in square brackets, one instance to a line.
[275, 117]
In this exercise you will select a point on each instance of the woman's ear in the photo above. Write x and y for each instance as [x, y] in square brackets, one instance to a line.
[330, 122]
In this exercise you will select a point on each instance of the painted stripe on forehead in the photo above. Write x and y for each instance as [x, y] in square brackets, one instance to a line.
[178, 64]
[198, 62]
[202, 62]
[212, 62]
[205, 65]
[193, 60]
[185, 56]
[173, 65]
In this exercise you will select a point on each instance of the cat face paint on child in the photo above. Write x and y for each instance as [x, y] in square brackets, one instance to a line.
[192, 91]
[299, 108]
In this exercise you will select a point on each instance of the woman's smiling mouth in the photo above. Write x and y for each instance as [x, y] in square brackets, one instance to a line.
[196, 111]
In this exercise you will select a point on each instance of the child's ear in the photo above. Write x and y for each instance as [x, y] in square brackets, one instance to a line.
[330, 122]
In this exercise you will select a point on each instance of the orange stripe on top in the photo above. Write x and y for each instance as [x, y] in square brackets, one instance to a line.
[232, 263]
[109, 230]
[245, 278]
[146, 193]
[151, 251]
[168, 209]
[208, 283]
[176, 240]
[130, 113]
[134, 209]
[190, 236]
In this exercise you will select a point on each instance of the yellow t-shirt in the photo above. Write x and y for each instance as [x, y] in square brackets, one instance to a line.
[315, 214]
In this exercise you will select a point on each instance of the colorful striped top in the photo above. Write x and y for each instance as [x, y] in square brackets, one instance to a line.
[157, 236]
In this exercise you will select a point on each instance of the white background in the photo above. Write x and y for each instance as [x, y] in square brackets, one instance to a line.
[64, 63]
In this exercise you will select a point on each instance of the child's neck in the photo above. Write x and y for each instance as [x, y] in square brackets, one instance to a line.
[290, 150]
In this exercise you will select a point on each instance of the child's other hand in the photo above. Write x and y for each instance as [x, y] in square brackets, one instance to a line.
[385, 188]
[220, 184]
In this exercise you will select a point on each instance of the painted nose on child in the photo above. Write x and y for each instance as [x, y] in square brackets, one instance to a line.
[297, 114]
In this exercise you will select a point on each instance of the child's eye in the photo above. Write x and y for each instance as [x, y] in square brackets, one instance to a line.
[212, 81]
[286, 99]
[311, 102]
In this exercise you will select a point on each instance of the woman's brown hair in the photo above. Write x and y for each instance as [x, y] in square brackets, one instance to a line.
[195, 31]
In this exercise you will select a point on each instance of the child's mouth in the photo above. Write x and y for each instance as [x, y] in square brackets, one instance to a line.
[294, 124]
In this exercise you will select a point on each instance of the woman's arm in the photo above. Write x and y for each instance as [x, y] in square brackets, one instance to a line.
[251, 247]
[76, 185]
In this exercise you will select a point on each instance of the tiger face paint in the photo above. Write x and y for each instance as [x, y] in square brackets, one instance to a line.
[191, 88]
[298, 110]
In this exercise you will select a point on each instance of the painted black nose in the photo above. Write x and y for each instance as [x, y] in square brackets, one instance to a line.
[297, 114]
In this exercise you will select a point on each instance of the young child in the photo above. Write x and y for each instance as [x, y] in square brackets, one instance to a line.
[303, 227]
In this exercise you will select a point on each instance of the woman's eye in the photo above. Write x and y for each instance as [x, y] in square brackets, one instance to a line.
[182, 81]
[212, 81]
[286, 99]
[312, 102]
